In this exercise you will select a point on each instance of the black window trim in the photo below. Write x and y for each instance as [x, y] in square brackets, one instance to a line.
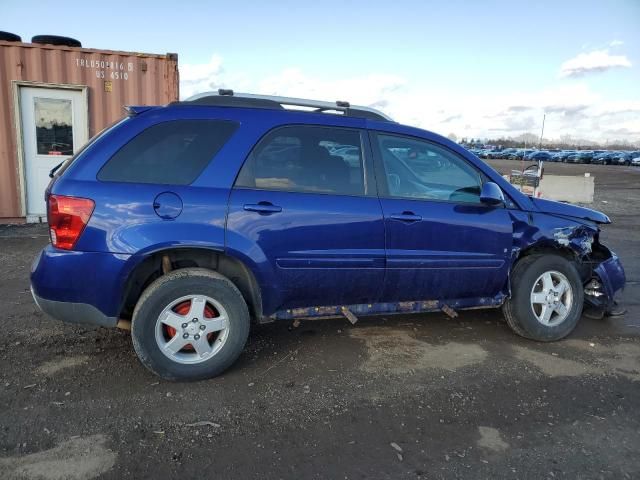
[169, 120]
[370, 184]
[383, 189]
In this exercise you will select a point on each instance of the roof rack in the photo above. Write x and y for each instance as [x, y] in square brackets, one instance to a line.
[227, 98]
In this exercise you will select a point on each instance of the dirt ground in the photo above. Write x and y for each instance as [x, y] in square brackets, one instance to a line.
[412, 397]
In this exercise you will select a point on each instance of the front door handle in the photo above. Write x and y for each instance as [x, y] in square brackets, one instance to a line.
[406, 217]
[264, 208]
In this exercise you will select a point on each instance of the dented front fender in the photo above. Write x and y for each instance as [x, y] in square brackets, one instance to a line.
[578, 238]
[538, 230]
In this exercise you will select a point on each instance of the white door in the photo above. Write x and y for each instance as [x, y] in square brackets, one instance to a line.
[54, 127]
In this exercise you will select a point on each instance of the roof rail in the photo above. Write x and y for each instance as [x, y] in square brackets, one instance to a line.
[227, 98]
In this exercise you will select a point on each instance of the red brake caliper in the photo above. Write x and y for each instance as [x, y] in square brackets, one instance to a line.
[182, 309]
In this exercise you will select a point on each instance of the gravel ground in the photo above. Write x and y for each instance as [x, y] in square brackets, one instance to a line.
[419, 396]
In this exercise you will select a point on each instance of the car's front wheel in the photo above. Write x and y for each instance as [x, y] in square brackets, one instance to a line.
[190, 324]
[546, 298]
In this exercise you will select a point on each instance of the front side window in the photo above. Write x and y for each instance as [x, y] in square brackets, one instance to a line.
[168, 153]
[306, 159]
[420, 170]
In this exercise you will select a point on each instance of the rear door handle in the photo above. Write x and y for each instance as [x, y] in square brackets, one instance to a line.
[265, 208]
[406, 217]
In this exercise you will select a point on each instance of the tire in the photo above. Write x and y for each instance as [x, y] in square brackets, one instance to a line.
[218, 298]
[56, 40]
[520, 311]
[10, 37]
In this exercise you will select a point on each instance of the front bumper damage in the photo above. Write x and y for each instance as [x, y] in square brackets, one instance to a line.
[608, 278]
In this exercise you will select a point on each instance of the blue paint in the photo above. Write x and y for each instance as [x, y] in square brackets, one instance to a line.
[370, 252]
[612, 276]
[167, 205]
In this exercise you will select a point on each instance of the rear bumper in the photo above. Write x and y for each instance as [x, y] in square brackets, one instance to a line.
[81, 313]
[79, 287]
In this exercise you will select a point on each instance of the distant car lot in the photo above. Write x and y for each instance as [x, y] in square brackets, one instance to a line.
[603, 157]
[460, 398]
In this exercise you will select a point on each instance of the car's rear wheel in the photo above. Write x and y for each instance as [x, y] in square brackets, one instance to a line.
[190, 324]
[546, 298]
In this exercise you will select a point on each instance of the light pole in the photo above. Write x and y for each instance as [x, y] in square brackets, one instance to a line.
[542, 133]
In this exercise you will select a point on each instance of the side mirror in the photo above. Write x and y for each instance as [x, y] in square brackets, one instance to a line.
[491, 195]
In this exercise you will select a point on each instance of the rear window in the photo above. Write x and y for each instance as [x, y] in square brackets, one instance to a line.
[171, 153]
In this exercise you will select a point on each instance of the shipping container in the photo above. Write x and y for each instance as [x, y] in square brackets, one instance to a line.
[53, 99]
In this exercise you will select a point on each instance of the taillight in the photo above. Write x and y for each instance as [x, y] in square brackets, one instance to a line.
[67, 218]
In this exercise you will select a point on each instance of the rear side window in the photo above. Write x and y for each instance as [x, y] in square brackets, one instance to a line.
[171, 153]
[63, 166]
[306, 159]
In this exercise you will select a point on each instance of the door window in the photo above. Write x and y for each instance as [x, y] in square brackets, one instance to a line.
[416, 169]
[306, 159]
[54, 126]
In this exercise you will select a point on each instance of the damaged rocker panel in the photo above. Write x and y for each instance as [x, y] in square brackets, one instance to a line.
[449, 307]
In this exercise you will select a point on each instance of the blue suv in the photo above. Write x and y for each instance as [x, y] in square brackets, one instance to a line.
[188, 222]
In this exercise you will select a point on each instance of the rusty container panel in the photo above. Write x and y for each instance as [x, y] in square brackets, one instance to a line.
[113, 79]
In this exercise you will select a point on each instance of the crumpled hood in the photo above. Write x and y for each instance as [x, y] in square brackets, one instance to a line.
[568, 210]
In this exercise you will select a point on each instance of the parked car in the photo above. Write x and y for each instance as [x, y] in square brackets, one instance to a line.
[636, 161]
[190, 221]
[539, 155]
[563, 155]
[583, 156]
[554, 155]
[621, 158]
[603, 158]
[504, 153]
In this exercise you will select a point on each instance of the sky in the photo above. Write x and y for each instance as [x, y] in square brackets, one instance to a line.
[475, 69]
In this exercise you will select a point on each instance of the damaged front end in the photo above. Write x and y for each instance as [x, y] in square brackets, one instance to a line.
[576, 230]
[607, 278]
[600, 267]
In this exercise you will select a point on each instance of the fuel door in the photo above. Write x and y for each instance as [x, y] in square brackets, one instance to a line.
[167, 205]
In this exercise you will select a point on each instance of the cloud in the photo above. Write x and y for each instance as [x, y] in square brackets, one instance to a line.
[373, 90]
[519, 108]
[202, 77]
[591, 62]
[571, 106]
[515, 124]
[566, 110]
[451, 118]
[616, 43]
